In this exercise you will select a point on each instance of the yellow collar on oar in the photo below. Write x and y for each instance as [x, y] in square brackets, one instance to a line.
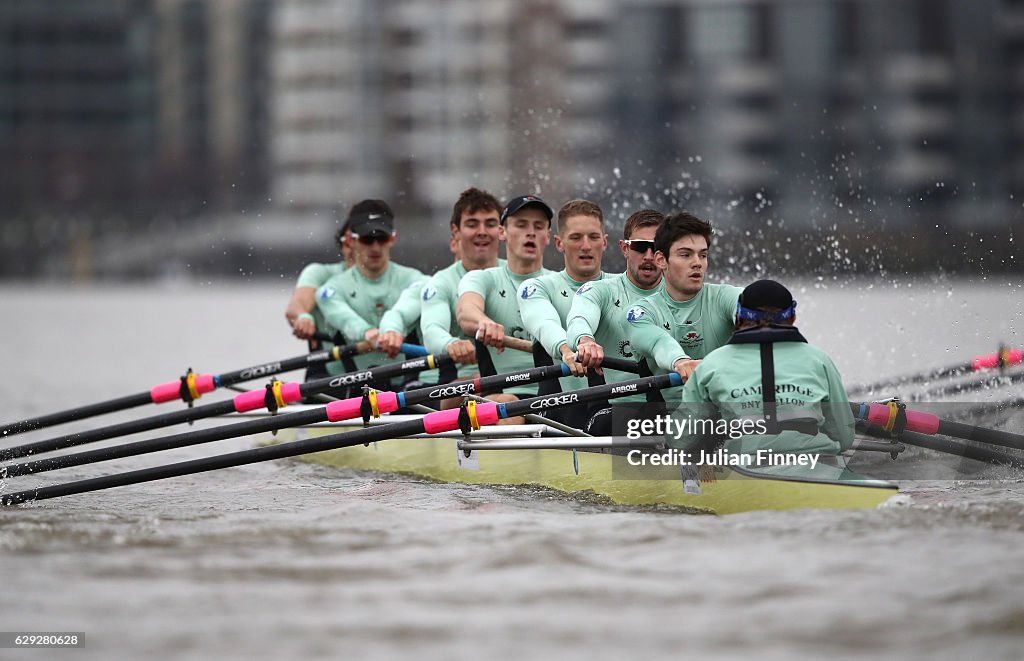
[278, 397]
[474, 422]
[190, 383]
[372, 396]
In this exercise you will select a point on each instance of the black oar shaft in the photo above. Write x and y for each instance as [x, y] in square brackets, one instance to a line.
[990, 381]
[947, 446]
[280, 366]
[208, 411]
[70, 415]
[1001, 359]
[621, 364]
[981, 434]
[330, 442]
[122, 429]
[946, 372]
[482, 384]
[270, 423]
[894, 417]
[264, 425]
[229, 460]
[372, 374]
[142, 398]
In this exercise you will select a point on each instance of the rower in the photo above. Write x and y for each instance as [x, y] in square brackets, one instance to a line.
[302, 313]
[596, 321]
[677, 325]
[544, 302]
[357, 302]
[476, 235]
[768, 375]
[487, 307]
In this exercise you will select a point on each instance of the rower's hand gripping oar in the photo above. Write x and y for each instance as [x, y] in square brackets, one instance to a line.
[472, 416]
[275, 396]
[410, 350]
[192, 386]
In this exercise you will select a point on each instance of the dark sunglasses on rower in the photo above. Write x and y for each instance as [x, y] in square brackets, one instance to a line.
[639, 245]
[374, 238]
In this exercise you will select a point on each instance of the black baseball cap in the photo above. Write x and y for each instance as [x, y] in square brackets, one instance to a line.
[525, 201]
[368, 224]
[366, 210]
[369, 217]
[766, 294]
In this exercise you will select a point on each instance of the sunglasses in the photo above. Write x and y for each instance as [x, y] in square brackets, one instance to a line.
[374, 238]
[639, 245]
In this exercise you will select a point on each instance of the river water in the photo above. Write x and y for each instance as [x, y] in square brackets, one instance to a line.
[294, 560]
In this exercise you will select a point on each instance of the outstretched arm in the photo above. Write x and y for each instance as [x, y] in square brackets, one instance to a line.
[299, 312]
[474, 322]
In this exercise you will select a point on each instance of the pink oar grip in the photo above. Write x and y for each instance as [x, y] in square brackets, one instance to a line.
[256, 399]
[486, 414]
[347, 409]
[878, 414]
[204, 383]
[387, 402]
[441, 421]
[989, 361]
[166, 392]
[249, 401]
[925, 423]
[291, 392]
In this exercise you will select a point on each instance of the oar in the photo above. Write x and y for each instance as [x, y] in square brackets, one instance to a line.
[192, 386]
[336, 411]
[993, 381]
[273, 397]
[471, 416]
[947, 446]
[516, 343]
[894, 418]
[620, 364]
[1001, 359]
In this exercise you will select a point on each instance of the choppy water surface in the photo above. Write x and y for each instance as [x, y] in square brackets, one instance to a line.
[289, 559]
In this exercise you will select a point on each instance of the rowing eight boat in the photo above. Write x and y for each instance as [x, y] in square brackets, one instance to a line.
[537, 455]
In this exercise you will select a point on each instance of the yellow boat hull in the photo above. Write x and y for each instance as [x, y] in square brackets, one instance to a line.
[728, 491]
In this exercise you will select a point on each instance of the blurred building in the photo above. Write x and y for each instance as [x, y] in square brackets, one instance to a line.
[806, 110]
[112, 105]
[119, 116]
[807, 114]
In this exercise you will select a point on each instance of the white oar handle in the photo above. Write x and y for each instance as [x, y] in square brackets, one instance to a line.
[514, 343]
